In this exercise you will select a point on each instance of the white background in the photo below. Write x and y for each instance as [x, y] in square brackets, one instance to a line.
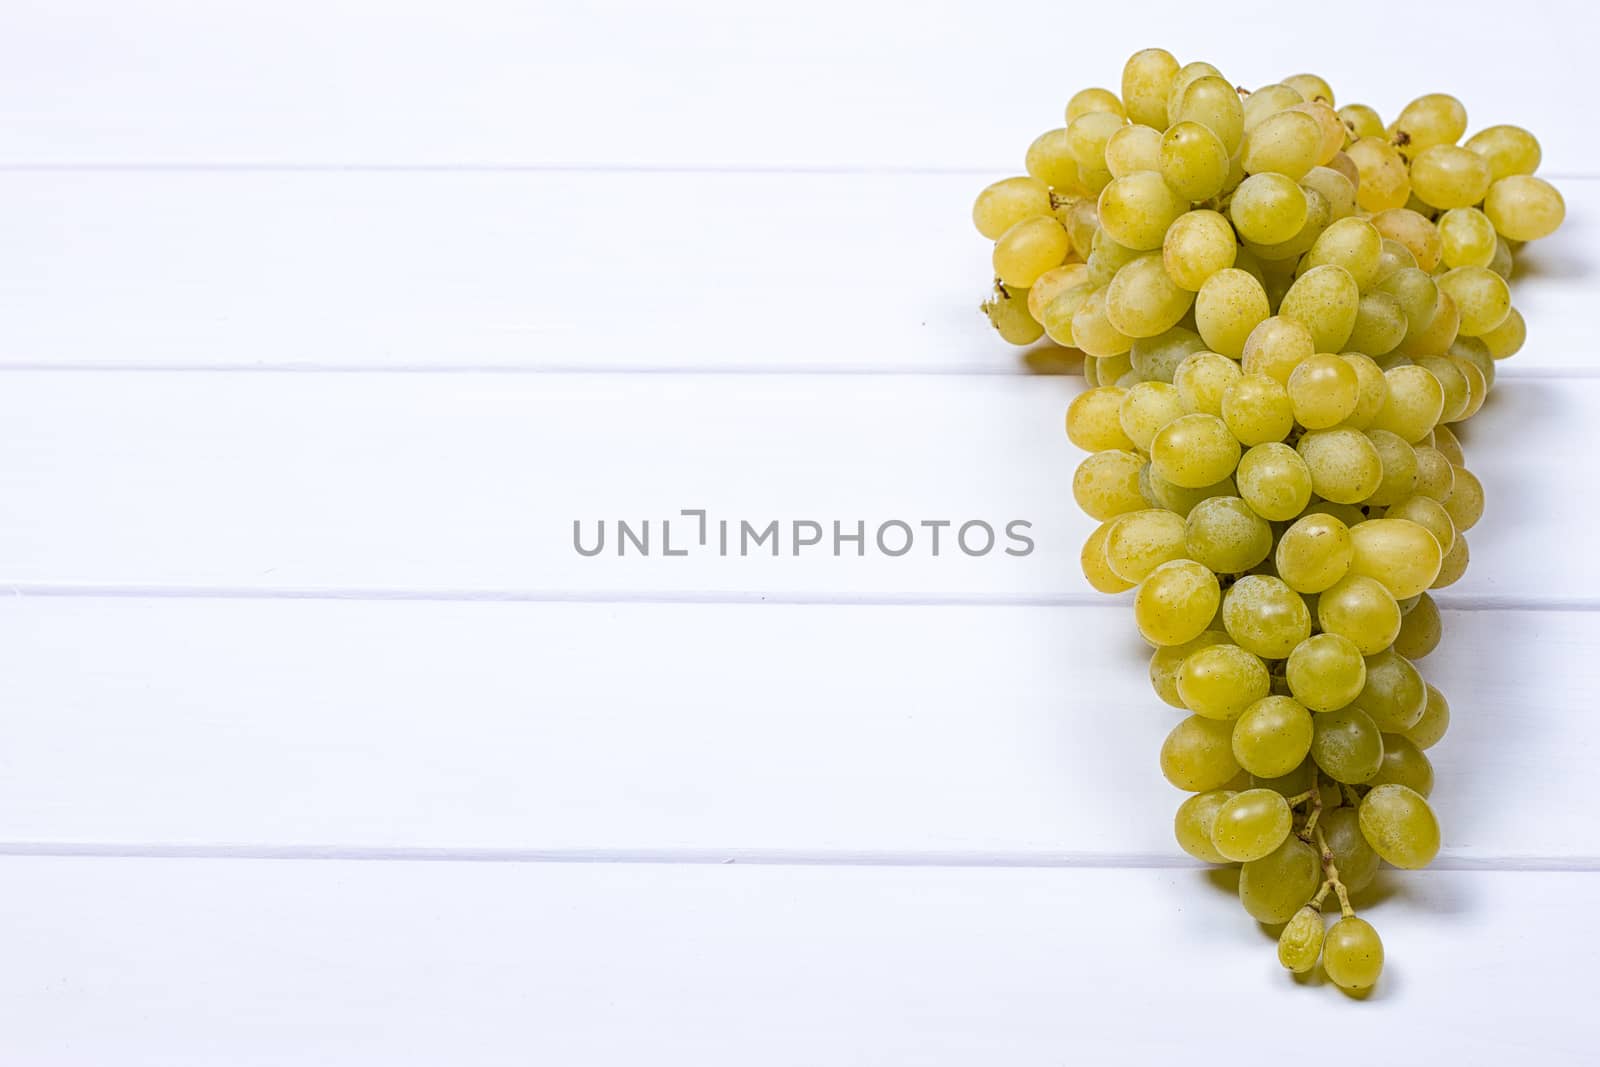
[320, 322]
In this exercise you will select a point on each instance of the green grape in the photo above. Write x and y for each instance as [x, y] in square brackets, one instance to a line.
[1214, 104]
[1312, 87]
[1137, 209]
[1176, 602]
[1361, 609]
[1080, 215]
[1008, 313]
[1464, 501]
[1226, 535]
[1452, 382]
[1276, 886]
[1325, 300]
[1447, 444]
[1276, 347]
[1097, 567]
[1257, 410]
[1287, 143]
[1227, 308]
[1093, 422]
[1352, 243]
[1194, 820]
[1140, 541]
[1192, 161]
[1268, 208]
[1434, 722]
[1352, 954]
[1156, 359]
[1057, 316]
[1197, 246]
[1402, 555]
[1454, 564]
[1181, 501]
[1319, 213]
[1361, 121]
[1293, 784]
[1324, 390]
[1131, 149]
[1187, 75]
[1336, 188]
[1142, 301]
[1272, 736]
[1314, 553]
[1437, 118]
[1202, 380]
[1146, 409]
[1416, 400]
[1505, 340]
[1334, 134]
[1357, 863]
[1220, 681]
[1265, 616]
[1436, 337]
[1404, 764]
[1418, 294]
[1467, 238]
[1430, 515]
[1374, 387]
[1524, 208]
[1300, 943]
[1347, 745]
[1326, 672]
[1007, 202]
[1087, 136]
[1394, 695]
[1507, 149]
[1385, 180]
[1146, 81]
[1399, 461]
[1050, 159]
[1251, 825]
[1167, 661]
[1197, 755]
[1345, 465]
[1481, 297]
[1395, 256]
[1447, 176]
[1274, 480]
[1106, 257]
[1503, 262]
[1030, 248]
[1420, 629]
[1268, 101]
[1399, 825]
[1106, 484]
[1193, 451]
[1436, 478]
[1054, 283]
[1086, 100]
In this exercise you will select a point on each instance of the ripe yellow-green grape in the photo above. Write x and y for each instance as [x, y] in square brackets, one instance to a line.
[1092, 330]
[1136, 210]
[1227, 308]
[1466, 238]
[1193, 822]
[1374, 387]
[1420, 629]
[1146, 81]
[1464, 501]
[1276, 886]
[1347, 745]
[1440, 333]
[1096, 567]
[1087, 136]
[1142, 301]
[1287, 143]
[1265, 616]
[1141, 541]
[1413, 230]
[1226, 535]
[1093, 420]
[1357, 863]
[1052, 284]
[1326, 672]
[1187, 75]
[1324, 300]
[1008, 313]
[1257, 409]
[1434, 723]
[1050, 159]
[1197, 755]
[1452, 382]
[1399, 468]
[1334, 134]
[1311, 87]
[1214, 104]
[1268, 208]
[1324, 390]
[1361, 609]
[1454, 564]
[1192, 161]
[1030, 248]
[1168, 660]
[1418, 295]
[1338, 190]
[1319, 213]
[1352, 954]
[1524, 208]
[1437, 118]
[1086, 100]
[1080, 216]
[1157, 358]
[1505, 340]
[1276, 347]
[1221, 681]
[1430, 515]
[1448, 176]
[1361, 121]
[1179, 500]
[1400, 826]
[1197, 246]
[1274, 481]
[1436, 476]
[1007, 202]
[1385, 180]
[1176, 602]
[1481, 297]
[1300, 943]
[1106, 484]
[1272, 736]
[1404, 764]
[1345, 465]
[1202, 380]
[1402, 555]
[1415, 402]
[1133, 148]
[1352, 243]
[1251, 824]
[1394, 695]
[1315, 552]
[1507, 149]
[1193, 451]
[1268, 101]
[1394, 256]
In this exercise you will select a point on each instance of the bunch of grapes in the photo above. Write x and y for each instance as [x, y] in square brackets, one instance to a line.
[1283, 308]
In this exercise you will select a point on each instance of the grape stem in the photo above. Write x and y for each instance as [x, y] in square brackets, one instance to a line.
[1332, 882]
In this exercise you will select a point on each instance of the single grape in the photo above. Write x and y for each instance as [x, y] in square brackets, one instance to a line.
[1272, 737]
[1324, 390]
[1203, 379]
[1140, 541]
[1274, 481]
[1325, 300]
[1435, 720]
[1344, 464]
[1197, 755]
[1220, 681]
[1326, 672]
[1176, 602]
[1194, 820]
[1146, 81]
[1352, 954]
[1106, 484]
[1226, 535]
[1507, 149]
[1086, 100]
[1137, 209]
[1265, 616]
[1277, 885]
[1394, 694]
[1399, 825]
[1402, 555]
[1404, 764]
[1524, 208]
[1357, 863]
[1093, 422]
[1165, 662]
[1007, 202]
[1300, 943]
[1347, 745]
[1230, 304]
[1420, 630]
[1258, 410]
[1251, 825]
[1194, 451]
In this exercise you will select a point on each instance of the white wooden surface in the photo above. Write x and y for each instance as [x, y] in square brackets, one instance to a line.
[320, 325]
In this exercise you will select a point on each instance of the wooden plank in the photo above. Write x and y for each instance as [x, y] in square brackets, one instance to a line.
[719, 730]
[756, 272]
[831, 83]
[192, 962]
[470, 484]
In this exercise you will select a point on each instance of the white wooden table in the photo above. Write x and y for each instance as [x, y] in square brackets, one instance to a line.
[320, 324]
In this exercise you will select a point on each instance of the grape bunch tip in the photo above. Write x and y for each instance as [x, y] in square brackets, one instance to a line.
[1283, 308]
